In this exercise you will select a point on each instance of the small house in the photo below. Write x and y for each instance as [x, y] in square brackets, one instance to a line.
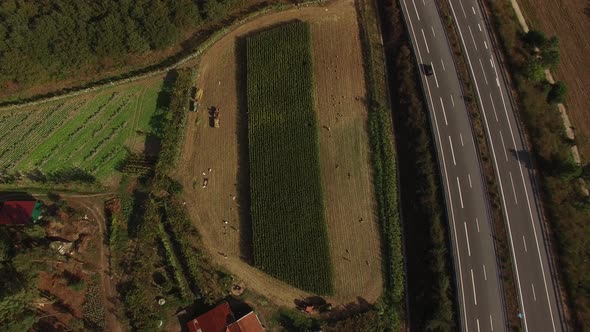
[19, 212]
[222, 319]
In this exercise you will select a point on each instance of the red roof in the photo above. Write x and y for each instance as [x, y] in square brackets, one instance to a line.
[214, 320]
[248, 323]
[221, 319]
[16, 212]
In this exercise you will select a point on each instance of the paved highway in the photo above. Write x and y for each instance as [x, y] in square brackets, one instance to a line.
[520, 203]
[478, 286]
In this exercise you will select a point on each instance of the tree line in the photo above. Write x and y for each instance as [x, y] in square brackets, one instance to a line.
[48, 40]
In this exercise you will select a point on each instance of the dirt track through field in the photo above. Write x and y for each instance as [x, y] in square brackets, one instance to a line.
[569, 20]
[221, 210]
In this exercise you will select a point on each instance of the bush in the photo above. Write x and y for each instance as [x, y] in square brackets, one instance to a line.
[557, 93]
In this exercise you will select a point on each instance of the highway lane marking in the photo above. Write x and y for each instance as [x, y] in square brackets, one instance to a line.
[485, 44]
[524, 243]
[503, 146]
[494, 107]
[479, 26]
[491, 323]
[432, 28]
[485, 77]
[469, 177]
[477, 321]
[445, 174]
[530, 212]
[492, 62]
[461, 137]
[513, 189]
[443, 64]
[444, 112]
[452, 100]
[534, 294]
[416, 9]
[496, 165]
[425, 42]
[473, 8]
[463, 8]
[434, 73]
[472, 38]
[467, 239]
[452, 152]
[485, 275]
[477, 223]
[460, 194]
[473, 284]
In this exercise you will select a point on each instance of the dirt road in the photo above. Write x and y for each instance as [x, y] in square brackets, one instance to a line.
[220, 211]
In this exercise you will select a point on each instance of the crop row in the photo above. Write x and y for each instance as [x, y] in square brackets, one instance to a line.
[286, 195]
[62, 138]
[30, 134]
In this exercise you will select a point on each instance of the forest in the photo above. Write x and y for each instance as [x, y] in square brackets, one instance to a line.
[42, 41]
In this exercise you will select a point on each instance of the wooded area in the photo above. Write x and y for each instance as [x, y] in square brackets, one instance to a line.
[47, 40]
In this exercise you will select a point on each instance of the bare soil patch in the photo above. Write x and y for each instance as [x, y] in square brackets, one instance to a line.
[569, 20]
[221, 211]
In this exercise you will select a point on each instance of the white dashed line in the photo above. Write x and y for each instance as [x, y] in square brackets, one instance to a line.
[463, 9]
[492, 62]
[443, 64]
[494, 107]
[432, 28]
[444, 112]
[477, 321]
[473, 8]
[491, 324]
[460, 194]
[513, 189]
[469, 178]
[452, 100]
[472, 38]
[467, 239]
[479, 26]
[416, 9]
[485, 44]
[461, 138]
[473, 284]
[485, 274]
[534, 294]
[485, 77]
[503, 146]
[477, 224]
[434, 74]
[452, 151]
[524, 243]
[425, 42]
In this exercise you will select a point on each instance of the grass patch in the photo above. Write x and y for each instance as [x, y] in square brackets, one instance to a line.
[287, 201]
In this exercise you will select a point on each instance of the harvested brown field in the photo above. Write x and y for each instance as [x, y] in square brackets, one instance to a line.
[221, 210]
[569, 20]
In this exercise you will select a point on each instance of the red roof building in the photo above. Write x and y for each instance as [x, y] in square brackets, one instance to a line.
[222, 319]
[19, 212]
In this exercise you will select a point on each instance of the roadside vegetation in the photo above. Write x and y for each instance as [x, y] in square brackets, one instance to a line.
[431, 295]
[287, 203]
[384, 162]
[79, 139]
[566, 205]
